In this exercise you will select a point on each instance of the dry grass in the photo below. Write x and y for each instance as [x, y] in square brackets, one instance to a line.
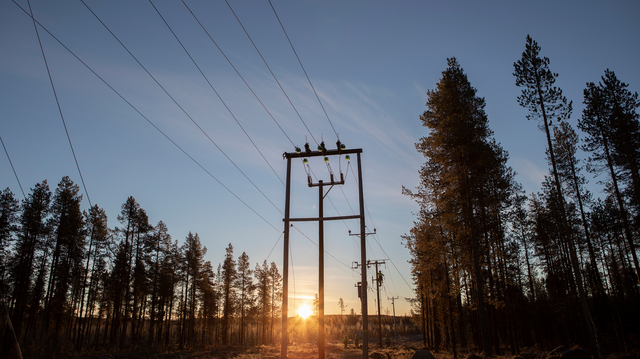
[333, 350]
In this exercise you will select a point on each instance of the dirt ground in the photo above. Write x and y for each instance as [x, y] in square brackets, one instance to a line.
[402, 349]
[333, 350]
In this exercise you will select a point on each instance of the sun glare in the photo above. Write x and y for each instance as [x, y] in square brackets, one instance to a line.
[304, 311]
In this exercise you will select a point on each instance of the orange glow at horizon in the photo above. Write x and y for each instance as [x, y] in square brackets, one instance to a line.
[304, 311]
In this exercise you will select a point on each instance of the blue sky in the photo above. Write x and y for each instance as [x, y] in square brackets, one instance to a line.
[371, 63]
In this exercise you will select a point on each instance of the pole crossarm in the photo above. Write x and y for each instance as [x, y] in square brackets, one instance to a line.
[304, 154]
[338, 218]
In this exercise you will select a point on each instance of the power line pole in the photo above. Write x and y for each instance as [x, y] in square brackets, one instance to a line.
[393, 304]
[362, 286]
[322, 151]
[378, 279]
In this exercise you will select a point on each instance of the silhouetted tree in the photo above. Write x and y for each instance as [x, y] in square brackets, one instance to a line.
[464, 183]
[66, 262]
[546, 102]
[8, 227]
[229, 275]
[263, 287]
[31, 238]
[608, 113]
[244, 283]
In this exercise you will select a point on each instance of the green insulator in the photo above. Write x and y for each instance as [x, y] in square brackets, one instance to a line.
[326, 159]
[320, 148]
[298, 150]
[347, 157]
[305, 161]
[342, 146]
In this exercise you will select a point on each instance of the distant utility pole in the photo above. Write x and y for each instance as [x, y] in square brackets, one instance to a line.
[322, 151]
[393, 304]
[362, 290]
[378, 279]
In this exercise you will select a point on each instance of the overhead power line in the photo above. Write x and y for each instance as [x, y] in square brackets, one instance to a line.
[58, 103]
[272, 74]
[176, 102]
[380, 245]
[14, 170]
[234, 68]
[145, 117]
[305, 71]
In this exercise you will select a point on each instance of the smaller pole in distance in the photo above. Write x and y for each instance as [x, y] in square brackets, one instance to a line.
[393, 304]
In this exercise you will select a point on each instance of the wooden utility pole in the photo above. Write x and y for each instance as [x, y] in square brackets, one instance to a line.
[321, 270]
[322, 151]
[393, 304]
[378, 279]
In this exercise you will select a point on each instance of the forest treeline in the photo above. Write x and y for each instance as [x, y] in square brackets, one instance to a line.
[497, 268]
[69, 281]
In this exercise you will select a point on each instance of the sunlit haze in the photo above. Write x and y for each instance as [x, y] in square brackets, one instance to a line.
[304, 311]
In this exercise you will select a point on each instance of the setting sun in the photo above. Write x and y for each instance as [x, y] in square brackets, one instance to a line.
[304, 311]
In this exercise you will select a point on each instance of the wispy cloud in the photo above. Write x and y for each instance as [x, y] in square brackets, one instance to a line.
[529, 174]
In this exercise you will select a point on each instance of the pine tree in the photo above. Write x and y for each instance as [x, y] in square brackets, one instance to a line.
[229, 275]
[625, 129]
[276, 294]
[154, 246]
[565, 144]
[545, 101]
[244, 283]
[68, 253]
[9, 211]
[604, 120]
[193, 260]
[209, 307]
[33, 232]
[96, 221]
[464, 182]
[263, 287]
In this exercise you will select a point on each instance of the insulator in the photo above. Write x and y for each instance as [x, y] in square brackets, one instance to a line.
[298, 150]
[326, 159]
[347, 157]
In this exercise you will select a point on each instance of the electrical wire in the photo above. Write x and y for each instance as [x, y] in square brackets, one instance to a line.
[329, 268]
[245, 82]
[272, 74]
[58, 103]
[216, 92]
[336, 209]
[14, 170]
[316, 244]
[145, 117]
[378, 241]
[176, 102]
[274, 246]
[305, 71]
[225, 56]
